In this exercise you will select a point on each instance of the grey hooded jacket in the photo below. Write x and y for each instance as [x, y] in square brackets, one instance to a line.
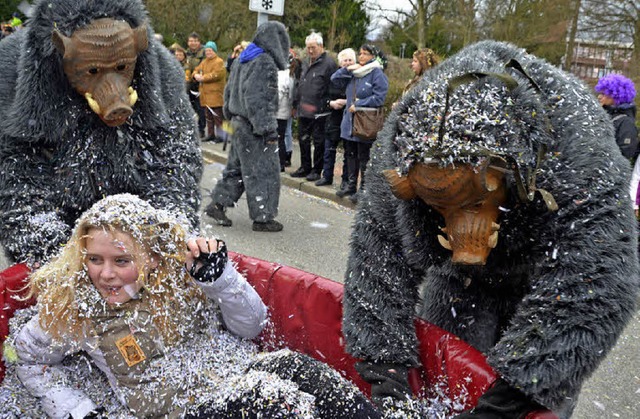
[252, 89]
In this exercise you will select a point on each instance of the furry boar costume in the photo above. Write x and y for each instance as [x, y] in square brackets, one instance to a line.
[559, 282]
[59, 153]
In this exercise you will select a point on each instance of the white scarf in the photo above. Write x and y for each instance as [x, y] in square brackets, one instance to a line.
[366, 69]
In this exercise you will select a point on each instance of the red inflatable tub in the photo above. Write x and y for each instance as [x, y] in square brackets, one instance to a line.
[306, 316]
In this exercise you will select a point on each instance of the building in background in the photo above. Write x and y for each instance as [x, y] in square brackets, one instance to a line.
[592, 59]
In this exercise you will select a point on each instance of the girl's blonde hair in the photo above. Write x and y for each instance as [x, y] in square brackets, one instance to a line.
[67, 299]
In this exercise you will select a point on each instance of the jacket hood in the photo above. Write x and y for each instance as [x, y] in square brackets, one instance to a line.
[273, 38]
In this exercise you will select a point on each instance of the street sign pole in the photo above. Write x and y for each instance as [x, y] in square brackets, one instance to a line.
[262, 18]
[266, 8]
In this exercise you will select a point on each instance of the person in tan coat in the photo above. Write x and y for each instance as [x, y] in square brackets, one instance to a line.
[212, 76]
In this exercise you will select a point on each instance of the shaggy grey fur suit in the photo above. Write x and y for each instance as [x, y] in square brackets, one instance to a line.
[560, 286]
[251, 102]
[57, 157]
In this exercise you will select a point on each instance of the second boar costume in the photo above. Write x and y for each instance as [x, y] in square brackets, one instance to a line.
[497, 184]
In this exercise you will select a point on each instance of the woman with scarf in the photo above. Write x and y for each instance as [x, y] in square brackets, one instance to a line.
[365, 86]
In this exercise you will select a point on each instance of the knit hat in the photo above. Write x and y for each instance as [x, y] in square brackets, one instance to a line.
[212, 45]
[618, 87]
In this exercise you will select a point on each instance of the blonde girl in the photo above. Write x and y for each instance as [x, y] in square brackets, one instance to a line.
[143, 303]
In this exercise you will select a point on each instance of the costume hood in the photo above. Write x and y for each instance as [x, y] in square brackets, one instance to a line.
[272, 37]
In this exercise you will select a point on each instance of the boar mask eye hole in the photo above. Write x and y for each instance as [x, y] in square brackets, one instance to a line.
[93, 70]
[121, 67]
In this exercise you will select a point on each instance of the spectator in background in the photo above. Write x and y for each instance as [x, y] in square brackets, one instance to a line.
[365, 86]
[295, 69]
[195, 55]
[286, 85]
[237, 50]
[181, 56]
[338, 100]
[616, 94]
[312, 102]
[423, 60]
[212, 76]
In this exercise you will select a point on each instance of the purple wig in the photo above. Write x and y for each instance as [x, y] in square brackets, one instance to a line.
[620, 88]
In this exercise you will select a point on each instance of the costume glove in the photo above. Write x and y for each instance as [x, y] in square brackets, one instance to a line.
[97, 413]
[501, 401]
[211, 264]
[387, 380]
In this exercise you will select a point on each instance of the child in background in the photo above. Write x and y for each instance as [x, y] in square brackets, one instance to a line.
[133, 293]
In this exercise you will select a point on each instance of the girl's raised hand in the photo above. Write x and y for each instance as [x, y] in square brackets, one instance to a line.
[206, 258]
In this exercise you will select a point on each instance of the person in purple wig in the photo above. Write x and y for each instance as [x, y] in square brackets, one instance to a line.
[616, 94]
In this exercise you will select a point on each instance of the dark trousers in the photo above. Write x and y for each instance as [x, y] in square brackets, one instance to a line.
[195, 103]
[335, 397]
[282, 147]
[357, 154]
[213, 116]
[312, 129]
[330, 150]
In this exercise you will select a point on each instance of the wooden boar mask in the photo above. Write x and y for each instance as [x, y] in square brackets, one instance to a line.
[99, 60]
[468, 197]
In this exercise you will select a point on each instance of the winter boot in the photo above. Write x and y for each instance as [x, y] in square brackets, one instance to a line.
[216, 211]
[352, 179]
[268, 226]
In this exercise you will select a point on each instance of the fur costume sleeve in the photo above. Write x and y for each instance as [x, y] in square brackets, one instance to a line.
[57, 157]
[558, 288]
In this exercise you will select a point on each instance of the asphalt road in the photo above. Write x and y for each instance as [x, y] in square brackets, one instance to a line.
[315, 236]
[316, 239]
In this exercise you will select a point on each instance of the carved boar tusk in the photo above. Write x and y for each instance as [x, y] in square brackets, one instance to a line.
[92, 103]
[133, 96]
[493, 240]
[495, 226]
[443, 229]
[444, 242]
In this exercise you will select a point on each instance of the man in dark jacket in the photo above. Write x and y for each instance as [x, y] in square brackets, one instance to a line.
[251, 102]
[312, 103]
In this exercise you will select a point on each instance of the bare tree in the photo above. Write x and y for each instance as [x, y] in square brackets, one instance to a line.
[615, 20]
[540, 26]
[411, 21]
[573, 30]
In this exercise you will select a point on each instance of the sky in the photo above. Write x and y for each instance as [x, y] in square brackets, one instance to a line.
[375, 29]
